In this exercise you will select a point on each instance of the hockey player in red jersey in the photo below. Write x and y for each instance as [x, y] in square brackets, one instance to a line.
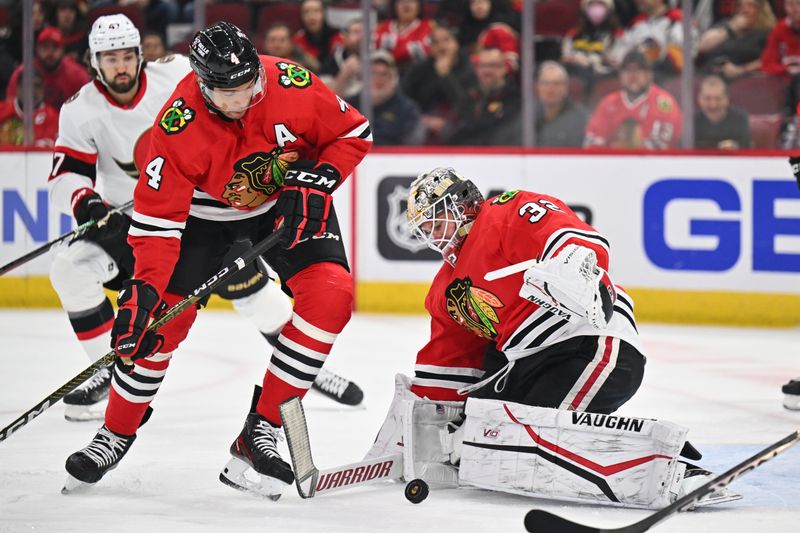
[527, 323]
[244, 144]
[654, 109]
[103, 138]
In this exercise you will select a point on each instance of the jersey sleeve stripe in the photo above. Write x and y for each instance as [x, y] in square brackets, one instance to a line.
[86, 157]
[559, 238]
[362, 131]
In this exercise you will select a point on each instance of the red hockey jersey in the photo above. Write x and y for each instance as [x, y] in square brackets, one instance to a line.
[782, 49]
[467, 312]
[410, 44]
[656, 112]
[230, 170]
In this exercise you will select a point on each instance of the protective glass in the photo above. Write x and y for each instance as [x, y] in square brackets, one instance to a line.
[239, 98]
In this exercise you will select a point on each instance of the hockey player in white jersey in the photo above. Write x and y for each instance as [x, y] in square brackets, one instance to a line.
[102, 129]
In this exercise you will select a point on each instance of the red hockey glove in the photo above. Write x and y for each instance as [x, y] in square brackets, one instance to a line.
[88, 205]
[795, 162]
[137, 302]
[305, 202]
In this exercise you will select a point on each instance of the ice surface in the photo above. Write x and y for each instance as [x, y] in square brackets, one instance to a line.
[722, 383]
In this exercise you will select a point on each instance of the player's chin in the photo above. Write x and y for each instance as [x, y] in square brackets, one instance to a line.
[235, 115]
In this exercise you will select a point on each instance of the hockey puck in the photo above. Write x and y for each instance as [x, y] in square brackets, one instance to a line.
[416, 491]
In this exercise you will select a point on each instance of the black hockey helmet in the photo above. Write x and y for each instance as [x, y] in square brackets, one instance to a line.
[223, 57]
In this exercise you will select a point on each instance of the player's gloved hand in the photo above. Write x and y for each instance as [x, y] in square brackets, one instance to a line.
[138, 301]
[571, 286]
[88, 205]
[305, 201]
[795, 162]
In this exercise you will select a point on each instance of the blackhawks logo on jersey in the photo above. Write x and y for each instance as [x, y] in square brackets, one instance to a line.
[473, 307]
[256, 177]
[293, 75]
[177, 116]
[663, 104]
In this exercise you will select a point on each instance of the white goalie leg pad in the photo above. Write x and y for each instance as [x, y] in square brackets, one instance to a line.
[417, 429]
[78, 273]
[571, 455]
[269, 309]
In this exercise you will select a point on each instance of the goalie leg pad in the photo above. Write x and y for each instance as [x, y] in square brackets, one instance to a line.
[571, 455]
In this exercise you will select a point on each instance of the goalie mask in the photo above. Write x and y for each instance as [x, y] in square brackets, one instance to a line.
[441, 208]
[113, 32]
[229, 71]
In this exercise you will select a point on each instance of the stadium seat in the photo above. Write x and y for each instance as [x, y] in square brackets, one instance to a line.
[602, 87]
[4, 16]
[238, 14]
[577, 90]
[555, 17]
[289, 14]
[131, 11]
[759, 94]
[765, 130]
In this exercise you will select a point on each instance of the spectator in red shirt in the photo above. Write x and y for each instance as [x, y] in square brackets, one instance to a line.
[45, 118]
[654, 109]
[62, 76]
[406, 36]
[781, 56]
[315, 37]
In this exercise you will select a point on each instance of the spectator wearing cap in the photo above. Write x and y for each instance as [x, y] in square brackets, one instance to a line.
[45, 118]
[395, 117]
[406, 35]
[559, 121]
[62, 76]
[489, 113]
[585, 48]
[716, 123]
[655, 110]
[437, 83]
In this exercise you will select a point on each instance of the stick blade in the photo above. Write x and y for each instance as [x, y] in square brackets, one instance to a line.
[538, 521]
[296, 430]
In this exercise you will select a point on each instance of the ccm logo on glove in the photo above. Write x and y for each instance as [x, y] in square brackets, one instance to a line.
[313, 179]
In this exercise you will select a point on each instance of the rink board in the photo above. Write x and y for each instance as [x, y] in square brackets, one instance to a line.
[695, 238]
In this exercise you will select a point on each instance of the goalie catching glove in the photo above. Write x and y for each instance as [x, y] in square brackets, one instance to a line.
[87, 206]
[305, 200]
[138, 302]
[572, 286]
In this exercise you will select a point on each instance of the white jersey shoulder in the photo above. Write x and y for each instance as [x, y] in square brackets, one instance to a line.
[92, 124]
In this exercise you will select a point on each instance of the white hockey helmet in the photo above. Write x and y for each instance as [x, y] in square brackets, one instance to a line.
[113, 32]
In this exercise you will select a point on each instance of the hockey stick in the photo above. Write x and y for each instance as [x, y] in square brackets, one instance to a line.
[74, 234]
[309, 479]
[510, 269]
[538, 521]
[206, 288]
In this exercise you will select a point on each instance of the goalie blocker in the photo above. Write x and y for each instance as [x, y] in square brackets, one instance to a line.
[540, 452]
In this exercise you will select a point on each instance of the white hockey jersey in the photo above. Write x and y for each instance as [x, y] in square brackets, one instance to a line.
[99, 141]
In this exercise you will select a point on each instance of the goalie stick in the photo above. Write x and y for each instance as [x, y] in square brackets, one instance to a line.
[77, 233]
[206, 288]
[309, 479]
[538, 521]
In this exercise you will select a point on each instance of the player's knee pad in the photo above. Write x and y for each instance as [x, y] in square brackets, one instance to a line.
[323, 295]
[78, 273]
[176, 329]
[571, 455]
[269, 308]
[418, 429]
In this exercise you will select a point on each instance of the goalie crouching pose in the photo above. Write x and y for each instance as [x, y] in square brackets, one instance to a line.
[546, 351]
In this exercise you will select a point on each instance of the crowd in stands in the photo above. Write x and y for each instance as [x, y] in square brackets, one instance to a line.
[447, 72]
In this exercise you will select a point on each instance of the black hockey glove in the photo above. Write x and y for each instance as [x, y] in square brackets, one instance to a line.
[795, 162]
[88, 205]
[305, 201]
[138, 302]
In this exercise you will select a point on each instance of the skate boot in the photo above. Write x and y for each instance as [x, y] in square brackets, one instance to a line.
[337, 388]
[791, 395]
[89, 465]
[256, 465]
[88, 401]
[694, 477]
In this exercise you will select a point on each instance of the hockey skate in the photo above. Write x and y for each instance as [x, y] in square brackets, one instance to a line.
[88, 401]
[337, 388]
[693, 477]
[791, 395]
[255, 465]
[89, 465]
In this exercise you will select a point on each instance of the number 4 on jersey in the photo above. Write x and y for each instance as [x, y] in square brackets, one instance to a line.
[153, 171]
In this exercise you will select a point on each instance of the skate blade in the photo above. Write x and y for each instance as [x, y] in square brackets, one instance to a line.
[73, 485]
[791, 401]
[85, 413]
[239, 475]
